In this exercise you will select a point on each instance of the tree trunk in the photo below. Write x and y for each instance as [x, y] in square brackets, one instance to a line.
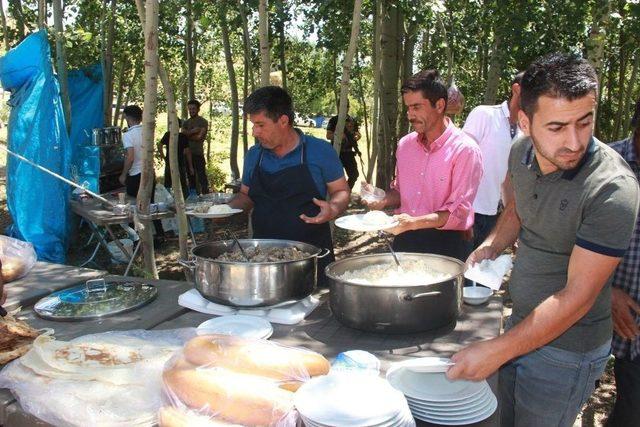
[629, 93]
[42, 14]
[263, 33]
[281, 37]
[600, 12]
[61, 59]
[188, 43]
[363, 101]
[5, 29]
[389, 69]
[235, 117]
[376, 113]
[174, 129]
[495, 69]
[148, 134]
[622, 72]
[346, 72]
[107, 52]
[407, 71]
[184, 98]
[136, 71]
[122, 73]
[247, 70]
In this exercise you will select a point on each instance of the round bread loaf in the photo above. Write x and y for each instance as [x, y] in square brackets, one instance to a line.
[229, 396]
[254, 357]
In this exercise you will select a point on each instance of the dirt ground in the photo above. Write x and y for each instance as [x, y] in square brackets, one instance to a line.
[347, 243]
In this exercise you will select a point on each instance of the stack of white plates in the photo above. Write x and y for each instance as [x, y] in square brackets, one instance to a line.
[238, 325]
[435, 399]
[352, 399]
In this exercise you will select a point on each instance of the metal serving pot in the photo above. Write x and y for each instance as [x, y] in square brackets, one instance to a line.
[396, 308]
[253, 284]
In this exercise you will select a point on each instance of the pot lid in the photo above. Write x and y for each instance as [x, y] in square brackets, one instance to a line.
[95, 298]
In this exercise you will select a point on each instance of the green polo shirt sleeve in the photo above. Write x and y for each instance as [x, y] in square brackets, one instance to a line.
[610, 217]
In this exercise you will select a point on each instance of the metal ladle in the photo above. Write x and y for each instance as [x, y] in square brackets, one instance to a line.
[235, 240]
[385, 236]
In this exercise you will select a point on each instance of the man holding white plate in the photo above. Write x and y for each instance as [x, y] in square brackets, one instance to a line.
[573, 212]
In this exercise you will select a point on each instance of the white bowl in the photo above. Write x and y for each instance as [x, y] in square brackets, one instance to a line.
[476, 295]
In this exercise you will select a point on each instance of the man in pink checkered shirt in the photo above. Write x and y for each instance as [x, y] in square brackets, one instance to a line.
[438, 171]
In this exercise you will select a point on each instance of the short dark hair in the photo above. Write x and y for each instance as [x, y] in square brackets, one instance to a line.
[133, 111]
[430, 84]
[194, 102]
[558, 75]
[517, 78]
[274, 101]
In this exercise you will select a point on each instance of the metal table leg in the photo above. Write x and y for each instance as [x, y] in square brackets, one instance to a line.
[133, 257]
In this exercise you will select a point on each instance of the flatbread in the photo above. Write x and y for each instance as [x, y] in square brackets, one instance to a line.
[107, 362]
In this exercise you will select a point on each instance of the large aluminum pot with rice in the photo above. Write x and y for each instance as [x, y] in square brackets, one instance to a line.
[276, 271]
[371, 293]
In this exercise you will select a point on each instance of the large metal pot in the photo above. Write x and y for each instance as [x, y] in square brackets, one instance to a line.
[396, 308]
[254, 284]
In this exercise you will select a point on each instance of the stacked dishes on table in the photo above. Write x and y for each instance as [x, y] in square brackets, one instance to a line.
[346, 399]
[435, 399]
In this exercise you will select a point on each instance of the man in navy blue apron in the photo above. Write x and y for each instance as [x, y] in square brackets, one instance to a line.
[288, 175]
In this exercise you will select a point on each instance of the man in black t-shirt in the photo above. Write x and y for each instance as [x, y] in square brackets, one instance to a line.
[184, 160]
[348, 147]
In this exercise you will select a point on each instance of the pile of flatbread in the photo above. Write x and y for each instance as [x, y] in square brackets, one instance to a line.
[98, 380]
[16, 337]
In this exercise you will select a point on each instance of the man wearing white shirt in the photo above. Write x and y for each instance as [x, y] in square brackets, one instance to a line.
[493, 127]
[132, 142]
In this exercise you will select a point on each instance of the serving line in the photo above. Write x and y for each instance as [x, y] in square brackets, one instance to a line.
[320, 332]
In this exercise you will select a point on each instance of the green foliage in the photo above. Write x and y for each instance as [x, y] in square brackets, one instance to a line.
[215, 173]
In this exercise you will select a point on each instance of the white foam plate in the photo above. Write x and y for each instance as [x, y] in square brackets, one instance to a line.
[433, 387]
[483, 400]
[348, 399]
[356, 223]
[425, 364]
[459, 419]
[238, 325]
[205, 215]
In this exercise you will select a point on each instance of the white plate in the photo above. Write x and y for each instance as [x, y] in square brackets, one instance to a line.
[205, 215]
[483, 400]
[425, 364]
[238, 325]
[460, 420]
[348, 399]
[433, 387]
[356, 223]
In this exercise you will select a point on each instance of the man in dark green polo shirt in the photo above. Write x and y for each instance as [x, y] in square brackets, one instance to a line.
[573, 214]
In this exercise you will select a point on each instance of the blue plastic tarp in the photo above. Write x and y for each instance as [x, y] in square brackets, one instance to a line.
[86, 92]
[37, 202]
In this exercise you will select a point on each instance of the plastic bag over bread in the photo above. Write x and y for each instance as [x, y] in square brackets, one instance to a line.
[232, 380]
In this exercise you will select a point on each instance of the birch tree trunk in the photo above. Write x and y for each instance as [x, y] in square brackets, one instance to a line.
[281, 36]
[5, 29]
[629, 92]
[407, 71]
[107, 53]
[136, 71]
[188, 42]
[376, 114]
[389, 69]
[263, 34]
[148, 134]
[346, 73]
[233, 154]
[363, 101]
[61, 59]
[42, 14]
[493, 75]
[622, 72]
[174, 129]
[15, 9]
[600, 12]
[247, 70]
[122, 73]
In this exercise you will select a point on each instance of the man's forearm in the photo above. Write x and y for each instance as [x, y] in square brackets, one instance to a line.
[127, 166]
[392, 199]
[241, 201]
[432, 220]
[339, 201]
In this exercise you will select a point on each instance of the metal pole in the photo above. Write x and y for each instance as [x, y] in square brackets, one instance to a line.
[62, 178]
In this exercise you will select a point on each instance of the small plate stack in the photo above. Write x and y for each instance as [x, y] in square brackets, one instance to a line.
[435, 399]
[352, 399]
